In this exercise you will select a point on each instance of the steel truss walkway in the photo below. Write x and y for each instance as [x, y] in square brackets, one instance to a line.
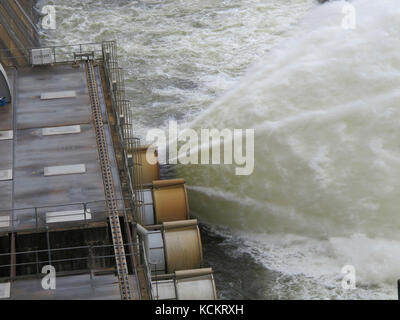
[111, 200]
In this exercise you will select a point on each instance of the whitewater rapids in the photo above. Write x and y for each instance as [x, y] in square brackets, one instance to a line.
[326, 191]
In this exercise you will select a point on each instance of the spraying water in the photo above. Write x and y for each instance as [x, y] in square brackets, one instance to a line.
[323, 102]
[325, 192]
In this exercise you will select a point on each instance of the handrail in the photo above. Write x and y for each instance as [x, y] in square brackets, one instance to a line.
[122, 109]
[35, 220]
[57, 206]
[61, 53]
[128, 142]
[26, 258]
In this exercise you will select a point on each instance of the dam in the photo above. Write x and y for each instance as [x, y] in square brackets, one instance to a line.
[78, 198]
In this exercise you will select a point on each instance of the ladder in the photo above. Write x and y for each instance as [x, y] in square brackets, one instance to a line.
[111, 201]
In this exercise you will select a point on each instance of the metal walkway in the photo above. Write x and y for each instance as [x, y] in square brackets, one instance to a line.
[111, 200]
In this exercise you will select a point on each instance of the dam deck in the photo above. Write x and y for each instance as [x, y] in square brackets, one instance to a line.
[53, 198]
[52, 133]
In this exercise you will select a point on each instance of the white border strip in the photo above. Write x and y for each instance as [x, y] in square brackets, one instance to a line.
[64, 170]
[6, 175]
[57, 95]
[68, 216]
[61, 130]
[5, 290]
[5, 221]
[6, 135]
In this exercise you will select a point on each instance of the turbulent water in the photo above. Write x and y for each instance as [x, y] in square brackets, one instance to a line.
[323, 101]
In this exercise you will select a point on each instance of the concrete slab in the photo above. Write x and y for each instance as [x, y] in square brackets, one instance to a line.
[61, 130]
[6, 154]
[6, 135]
[34, 152]
[68, 216]
[64, 170]
[32, 112]
[6, 175]
[5, 196]
[6, 117]
[44, 139]
[58, 95]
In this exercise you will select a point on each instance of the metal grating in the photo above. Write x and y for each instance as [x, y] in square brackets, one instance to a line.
[112, 206]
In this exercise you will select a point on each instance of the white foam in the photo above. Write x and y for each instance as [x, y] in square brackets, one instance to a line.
[325, 109]
[311, 268]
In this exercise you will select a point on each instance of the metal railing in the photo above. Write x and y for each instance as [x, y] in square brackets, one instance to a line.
[122, 109]
[35, 219]
[147, 268]
[88, 259]
[20, 57]
[129, 144]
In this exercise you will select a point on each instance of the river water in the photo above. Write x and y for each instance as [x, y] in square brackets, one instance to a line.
[323, 101]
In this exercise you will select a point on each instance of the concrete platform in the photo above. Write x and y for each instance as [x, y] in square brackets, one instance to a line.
[79, 287]
[35, 152]
[32, 112]
[32, 150]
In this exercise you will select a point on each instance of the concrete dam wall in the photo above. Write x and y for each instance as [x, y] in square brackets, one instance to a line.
[18, 31]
